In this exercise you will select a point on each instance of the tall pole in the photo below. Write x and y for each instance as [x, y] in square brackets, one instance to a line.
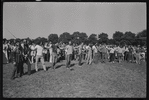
[11, 33]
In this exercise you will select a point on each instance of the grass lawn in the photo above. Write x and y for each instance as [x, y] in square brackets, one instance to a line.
[97, 80]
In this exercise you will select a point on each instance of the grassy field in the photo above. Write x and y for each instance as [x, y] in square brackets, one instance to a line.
[97, 80]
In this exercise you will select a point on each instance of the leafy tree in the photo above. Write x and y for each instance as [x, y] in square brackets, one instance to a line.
[83, 36]
[129, 37]
[93, 38]
[111, 41]
[117, 36]
[53, 38]
[37, 40]
[141, 34]
[65, 37]
[78, 37]
[141, 37]
[43, 39]
[103, 37]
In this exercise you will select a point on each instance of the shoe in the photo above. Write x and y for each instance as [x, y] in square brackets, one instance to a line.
[18, 76]
[12, 78]
[79, 66]
[29, 74]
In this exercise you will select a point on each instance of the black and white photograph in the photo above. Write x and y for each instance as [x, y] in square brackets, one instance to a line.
[74, 49]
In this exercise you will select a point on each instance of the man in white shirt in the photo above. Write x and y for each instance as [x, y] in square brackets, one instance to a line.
[39, 54]
[95, 51]
[112, 55]
[89, 54]
[119, 53]
[69, 52]
[50, 50]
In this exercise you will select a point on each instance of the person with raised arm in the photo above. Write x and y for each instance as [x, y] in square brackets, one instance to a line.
[39, 55]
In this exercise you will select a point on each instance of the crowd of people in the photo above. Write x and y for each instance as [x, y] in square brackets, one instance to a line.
[21, 52]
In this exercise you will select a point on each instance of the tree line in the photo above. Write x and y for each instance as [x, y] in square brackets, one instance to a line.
[119, 38]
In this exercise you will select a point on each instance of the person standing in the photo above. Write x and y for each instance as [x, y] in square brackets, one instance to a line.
[33, 52]
[69, 52]
[9, 51]
[5, 48]
[95, 51]
[112, 55]
[17, 60]
[46, 52]
[54, 55]
[89, 55]
[58, 53]
[99, 50]
[80, 53]
[119, 54]
[130, 55]
[103, 53]
[50, 50]
[126, 53]
[39, 55]
[26, 52]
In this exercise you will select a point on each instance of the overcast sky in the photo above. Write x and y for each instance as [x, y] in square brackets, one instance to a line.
[39, 19]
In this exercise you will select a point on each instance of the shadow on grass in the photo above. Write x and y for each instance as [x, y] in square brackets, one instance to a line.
[71, 65]
[58, 66]
[33, 71]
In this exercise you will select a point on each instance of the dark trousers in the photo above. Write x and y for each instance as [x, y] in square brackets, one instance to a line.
[54, 60]
[112, 57]
[45, 55]
[28, 64]
[80, 59]
[48, 55]
[126, 54]
[15, 71]
[95, 58]
[68, 60]
[9, 56]
[130, 57]
[103, 58]
[100, 55]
